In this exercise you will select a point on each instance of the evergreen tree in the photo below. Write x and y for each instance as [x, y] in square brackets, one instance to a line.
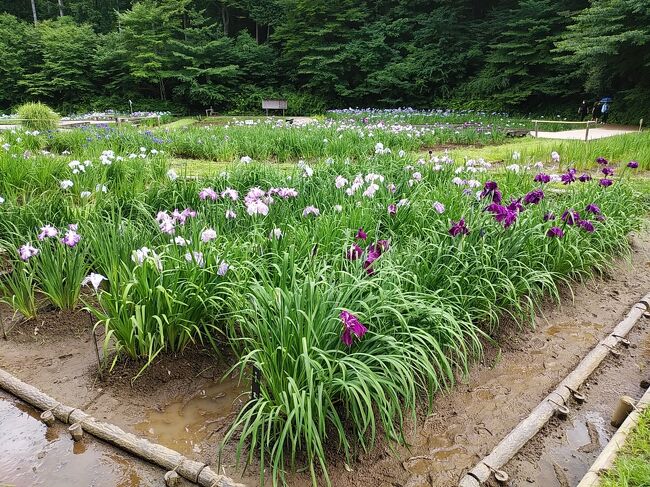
[500, 54]
[13, 57]
[520, 66]
[608, 48]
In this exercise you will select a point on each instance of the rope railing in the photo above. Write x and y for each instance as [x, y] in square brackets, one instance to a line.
[587, 123]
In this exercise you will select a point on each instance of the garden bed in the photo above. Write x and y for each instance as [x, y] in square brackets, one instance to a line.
[464, 425]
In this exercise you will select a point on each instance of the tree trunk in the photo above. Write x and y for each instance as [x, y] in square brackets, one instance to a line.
[34, 11]
[60, 8]
[257, 32]
[225, 18]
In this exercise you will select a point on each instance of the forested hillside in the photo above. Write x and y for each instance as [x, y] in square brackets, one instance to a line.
[185, 55]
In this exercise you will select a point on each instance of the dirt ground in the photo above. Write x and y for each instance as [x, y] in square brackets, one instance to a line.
[33, 455]
[181, 402]
[565, 449]
[595, 132]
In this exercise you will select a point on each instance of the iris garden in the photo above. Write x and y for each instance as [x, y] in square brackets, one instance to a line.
[352, 265]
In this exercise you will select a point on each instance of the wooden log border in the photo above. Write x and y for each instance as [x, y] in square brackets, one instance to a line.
[197, 472]
[530, 426]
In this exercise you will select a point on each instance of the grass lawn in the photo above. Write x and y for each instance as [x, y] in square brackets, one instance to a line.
[617, 149]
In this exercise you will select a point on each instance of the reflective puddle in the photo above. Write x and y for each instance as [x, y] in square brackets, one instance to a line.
[184, 424]
[33, 455]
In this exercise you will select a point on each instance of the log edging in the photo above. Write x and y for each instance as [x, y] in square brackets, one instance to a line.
[509, 446]
[198, 472]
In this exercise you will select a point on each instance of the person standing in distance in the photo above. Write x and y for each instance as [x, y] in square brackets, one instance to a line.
[583, 110]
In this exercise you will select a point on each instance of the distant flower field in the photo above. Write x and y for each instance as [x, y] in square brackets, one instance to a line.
[357, 283]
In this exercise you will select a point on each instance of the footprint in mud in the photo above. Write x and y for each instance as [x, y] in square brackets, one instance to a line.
[561, 476]
[594, 440]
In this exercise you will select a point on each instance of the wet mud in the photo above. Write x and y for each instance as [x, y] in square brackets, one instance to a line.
[563, 452]
[32, 455]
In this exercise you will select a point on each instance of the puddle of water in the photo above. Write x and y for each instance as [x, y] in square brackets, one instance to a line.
[184, 424]
[575, 329]
[33, 455]
[581, 435]
[565, 464]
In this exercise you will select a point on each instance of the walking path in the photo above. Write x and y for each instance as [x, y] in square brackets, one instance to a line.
[579, 134]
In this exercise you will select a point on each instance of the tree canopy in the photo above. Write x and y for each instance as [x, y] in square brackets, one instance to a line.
[524, 55]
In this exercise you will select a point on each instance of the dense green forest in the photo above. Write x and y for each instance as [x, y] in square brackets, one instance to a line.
[186, 55]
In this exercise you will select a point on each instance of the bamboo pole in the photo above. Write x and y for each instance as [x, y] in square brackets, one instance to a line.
[162, 456]
[530, 426]
[606, 458]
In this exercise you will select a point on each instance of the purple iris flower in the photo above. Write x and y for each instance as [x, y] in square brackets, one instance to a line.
[607, 171]
[27, 251]
[515, 205]
[490, 186]
[569, 177]
[71, 238]
[542, 178]
[605, 182]
[549, 216]
[584, 177]
[491, 189]
[593, 208]
[555, 232]
[354, 252]
[458, 228]
[392, 209]
[586, 225]
[361, 235]
[633, 164]
[384, 245]
[534, 197]
[351, 326]
[602, 160]
[504, 215]
[570, 217]
[374, 252]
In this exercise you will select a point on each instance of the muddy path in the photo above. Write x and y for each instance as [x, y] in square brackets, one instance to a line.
[33, 455]
[565, 449]
[182, 403]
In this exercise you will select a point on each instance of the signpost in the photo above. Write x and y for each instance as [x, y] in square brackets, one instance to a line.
[274, 105]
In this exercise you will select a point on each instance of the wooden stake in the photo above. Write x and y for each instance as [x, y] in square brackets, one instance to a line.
[76, 431]
[48, 418]
[172, 479]
[624, 407]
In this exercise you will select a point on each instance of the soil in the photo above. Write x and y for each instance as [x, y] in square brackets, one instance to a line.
[571, 446]
[180, 401]
[33, 455]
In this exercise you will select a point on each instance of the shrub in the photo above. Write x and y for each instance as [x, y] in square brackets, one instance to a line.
[37, 116]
